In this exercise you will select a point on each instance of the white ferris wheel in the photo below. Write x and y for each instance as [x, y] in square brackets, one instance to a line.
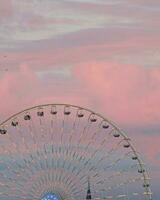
[66, 152]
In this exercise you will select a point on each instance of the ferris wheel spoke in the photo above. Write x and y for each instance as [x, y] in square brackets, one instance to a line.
[116, 162]
[107, 155]
[97, 150]
[53, 122]
[74, 127]
[85, 128]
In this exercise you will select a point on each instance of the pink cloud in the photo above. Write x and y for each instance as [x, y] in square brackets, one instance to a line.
[6, 9]
[16, 89]
[129, 94]
[22, 88]
[85, 47]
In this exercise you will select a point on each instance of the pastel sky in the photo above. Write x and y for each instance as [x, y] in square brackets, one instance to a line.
[101, 54]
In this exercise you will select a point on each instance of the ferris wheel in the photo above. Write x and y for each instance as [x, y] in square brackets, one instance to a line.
[66, 152]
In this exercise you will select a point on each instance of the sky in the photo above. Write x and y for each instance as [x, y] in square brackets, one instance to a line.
[99, 54]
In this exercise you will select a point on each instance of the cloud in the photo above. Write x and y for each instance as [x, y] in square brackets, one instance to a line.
[24, 87]
[6, 9]
[128, 94]
[17, 89]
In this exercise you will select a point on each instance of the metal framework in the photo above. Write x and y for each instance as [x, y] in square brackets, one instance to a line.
[56, 147]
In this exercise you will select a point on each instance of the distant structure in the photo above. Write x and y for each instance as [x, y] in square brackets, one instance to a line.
[88, 191]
